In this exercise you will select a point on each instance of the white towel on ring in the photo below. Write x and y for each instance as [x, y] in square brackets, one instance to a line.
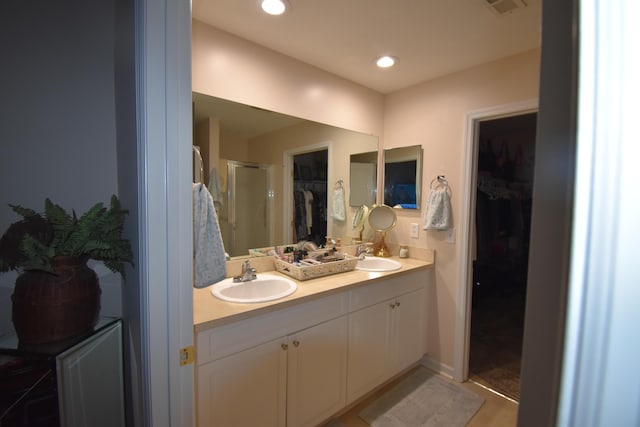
[437, 215]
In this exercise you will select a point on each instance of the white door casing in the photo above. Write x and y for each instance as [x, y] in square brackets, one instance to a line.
[466, 215]
[163, 98]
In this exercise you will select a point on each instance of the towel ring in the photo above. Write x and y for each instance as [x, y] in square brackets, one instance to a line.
[440, 180]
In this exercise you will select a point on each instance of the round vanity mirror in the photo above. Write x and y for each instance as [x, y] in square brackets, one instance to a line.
[382, 218]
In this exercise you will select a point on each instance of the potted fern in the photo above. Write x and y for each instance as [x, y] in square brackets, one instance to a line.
[57, 296]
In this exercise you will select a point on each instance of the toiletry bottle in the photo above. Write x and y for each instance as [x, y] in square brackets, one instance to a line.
[404, 251]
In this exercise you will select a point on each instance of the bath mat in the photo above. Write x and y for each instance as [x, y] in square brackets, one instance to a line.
[422, 399]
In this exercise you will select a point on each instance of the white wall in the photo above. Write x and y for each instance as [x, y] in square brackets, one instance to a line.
[432, 114]
[57, 114]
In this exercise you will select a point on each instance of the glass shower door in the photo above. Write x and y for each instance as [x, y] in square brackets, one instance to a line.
[248, 207]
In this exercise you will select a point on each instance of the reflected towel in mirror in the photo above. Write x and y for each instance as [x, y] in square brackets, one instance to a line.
[338, 204]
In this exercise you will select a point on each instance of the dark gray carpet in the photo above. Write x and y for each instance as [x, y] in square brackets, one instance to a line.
[423, 400]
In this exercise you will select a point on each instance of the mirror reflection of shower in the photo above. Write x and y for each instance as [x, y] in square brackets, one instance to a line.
[245, 223]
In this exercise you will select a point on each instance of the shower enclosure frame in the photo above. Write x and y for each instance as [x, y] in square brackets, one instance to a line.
[232, 210]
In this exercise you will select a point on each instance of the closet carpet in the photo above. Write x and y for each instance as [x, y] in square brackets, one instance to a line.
[497, 323]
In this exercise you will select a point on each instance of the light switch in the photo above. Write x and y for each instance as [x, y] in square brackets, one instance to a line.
[415, 229]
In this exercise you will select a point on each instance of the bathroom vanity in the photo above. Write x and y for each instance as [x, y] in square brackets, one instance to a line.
[301, 359]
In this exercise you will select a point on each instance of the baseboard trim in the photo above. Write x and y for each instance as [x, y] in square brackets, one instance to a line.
[437, 366]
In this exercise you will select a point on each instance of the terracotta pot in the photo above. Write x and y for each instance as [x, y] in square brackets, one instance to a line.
[54, 307]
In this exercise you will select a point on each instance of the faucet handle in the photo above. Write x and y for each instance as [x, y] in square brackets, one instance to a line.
[248, 273]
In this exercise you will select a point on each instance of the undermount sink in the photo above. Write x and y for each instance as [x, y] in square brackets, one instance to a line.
[371, 263]
[266, 287]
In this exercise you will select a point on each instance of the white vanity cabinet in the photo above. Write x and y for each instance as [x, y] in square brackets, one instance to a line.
[247, 388]
[386, 331]
[297, 366]
[317, 373]
[283, 368]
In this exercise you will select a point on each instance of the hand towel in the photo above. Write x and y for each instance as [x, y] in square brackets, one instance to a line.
[208, 249]
[437, 215]
[338, 204]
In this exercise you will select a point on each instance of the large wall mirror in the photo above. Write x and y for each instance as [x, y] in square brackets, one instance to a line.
[403, 177]
[272, 176]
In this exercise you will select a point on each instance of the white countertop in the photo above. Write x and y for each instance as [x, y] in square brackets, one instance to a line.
[209, 311]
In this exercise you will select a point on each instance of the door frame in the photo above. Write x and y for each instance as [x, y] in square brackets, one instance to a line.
[467, 211]
[287, 184]
[159, 312]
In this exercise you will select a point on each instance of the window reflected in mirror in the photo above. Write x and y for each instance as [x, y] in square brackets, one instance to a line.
[403, 177]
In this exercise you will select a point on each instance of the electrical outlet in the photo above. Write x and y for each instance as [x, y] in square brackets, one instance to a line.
[451, 235]
[415, 229]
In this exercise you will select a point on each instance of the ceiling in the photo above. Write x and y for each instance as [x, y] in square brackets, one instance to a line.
[430, 38]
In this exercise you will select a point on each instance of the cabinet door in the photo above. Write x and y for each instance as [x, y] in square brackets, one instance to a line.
[247, 388]
[407, 330]
[368, 349]
[317, 370]
[90, 381]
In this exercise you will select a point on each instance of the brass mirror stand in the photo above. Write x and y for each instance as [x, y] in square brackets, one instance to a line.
[383, 251]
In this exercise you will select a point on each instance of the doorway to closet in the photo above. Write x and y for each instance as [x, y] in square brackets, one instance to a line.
[504, 177]
[310, 196]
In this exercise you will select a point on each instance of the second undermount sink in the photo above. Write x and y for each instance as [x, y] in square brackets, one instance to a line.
[372, 263]
[266, 287]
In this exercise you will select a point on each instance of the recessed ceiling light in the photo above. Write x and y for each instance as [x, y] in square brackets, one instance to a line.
[273, 7]
[385, 61]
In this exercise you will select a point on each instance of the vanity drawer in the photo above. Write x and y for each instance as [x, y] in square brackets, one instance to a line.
[224, 340]
[384, 290]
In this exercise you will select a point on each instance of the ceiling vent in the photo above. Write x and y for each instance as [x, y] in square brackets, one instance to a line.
[500, 7]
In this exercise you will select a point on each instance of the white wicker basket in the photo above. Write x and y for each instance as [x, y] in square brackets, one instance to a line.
[303, 272]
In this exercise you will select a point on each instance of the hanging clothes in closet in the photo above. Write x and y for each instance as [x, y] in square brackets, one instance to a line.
[310, 207]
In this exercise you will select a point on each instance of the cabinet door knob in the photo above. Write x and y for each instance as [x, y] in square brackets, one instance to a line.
[397, 303]
[296, 343]
[284, 346]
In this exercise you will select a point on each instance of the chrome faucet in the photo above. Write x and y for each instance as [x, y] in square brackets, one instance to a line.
[248, 273]
[362, 250]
